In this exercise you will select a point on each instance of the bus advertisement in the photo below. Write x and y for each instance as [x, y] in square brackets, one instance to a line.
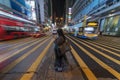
[12, 26]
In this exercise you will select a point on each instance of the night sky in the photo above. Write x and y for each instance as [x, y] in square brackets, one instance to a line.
[58, 7]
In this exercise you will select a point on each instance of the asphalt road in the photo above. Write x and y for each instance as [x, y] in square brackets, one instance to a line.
[33, 59]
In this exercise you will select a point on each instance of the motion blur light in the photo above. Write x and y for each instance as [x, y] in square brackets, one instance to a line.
[111, 15]
[56, 18]
[12, 16]
[70, 11]
[61, 18]
[89, 29]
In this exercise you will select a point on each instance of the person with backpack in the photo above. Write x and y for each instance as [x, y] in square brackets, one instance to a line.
[58, 55]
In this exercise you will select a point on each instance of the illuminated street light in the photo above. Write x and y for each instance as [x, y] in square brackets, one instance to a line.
[56, 18]
[70, 11]
[61, 18]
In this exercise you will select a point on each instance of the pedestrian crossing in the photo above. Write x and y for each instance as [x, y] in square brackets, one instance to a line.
[98, 60]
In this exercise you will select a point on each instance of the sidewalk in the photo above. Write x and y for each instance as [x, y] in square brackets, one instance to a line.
[47, 71]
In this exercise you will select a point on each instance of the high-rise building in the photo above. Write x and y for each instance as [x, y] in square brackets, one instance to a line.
[68, 11]
[43, 10]
[32, 16]
[4, 4]
[79, 9]
[106, 12]
[17, 7]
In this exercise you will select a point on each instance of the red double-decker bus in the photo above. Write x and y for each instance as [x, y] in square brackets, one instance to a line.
[12, 26]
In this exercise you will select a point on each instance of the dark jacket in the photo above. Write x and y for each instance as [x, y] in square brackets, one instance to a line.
[59, 41]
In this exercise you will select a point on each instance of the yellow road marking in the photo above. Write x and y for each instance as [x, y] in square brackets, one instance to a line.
[104, 46]
[83, 66]
[11, 65]
[13, 40]
[102, 64]
[12, 43]
[17, 45]
[110, 41]
[109, 44]
[34, 66]
[5, 58]
[22, 44]
[104, 49]
[112, 59]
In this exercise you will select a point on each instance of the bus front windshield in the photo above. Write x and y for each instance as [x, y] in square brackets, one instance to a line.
[89, 30]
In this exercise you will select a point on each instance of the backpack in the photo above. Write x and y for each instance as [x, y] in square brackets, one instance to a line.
[65, 47]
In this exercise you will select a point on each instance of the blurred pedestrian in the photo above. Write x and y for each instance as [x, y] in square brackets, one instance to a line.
[58, 55]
